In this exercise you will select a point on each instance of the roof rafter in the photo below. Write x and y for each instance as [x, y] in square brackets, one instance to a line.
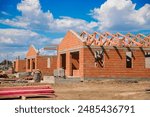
[118, 39]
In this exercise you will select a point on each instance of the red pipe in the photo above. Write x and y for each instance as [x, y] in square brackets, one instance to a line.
[25, 92]
[25, 87]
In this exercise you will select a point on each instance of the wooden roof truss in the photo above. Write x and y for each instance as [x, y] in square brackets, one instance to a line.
[118, 39]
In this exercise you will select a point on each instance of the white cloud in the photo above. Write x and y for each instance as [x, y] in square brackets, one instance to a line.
[6, 40]
[29, 5]
[15, 42]
[47, 52]
[121, 15]
[142, 16]
[66, 23]
[35, 19]
[12, 55]
[56, 41]
[21, 36]
[51, 42]
[33, 16]
[14, 22]
[113, 15]
[25, 38]
[16, 54]
[5, 13]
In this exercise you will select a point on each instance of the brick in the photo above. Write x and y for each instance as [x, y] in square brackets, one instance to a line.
[114, 61]
[40, 62]
[19, 65]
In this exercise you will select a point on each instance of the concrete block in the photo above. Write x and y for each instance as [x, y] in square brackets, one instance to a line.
[21, 74]
[48, 79]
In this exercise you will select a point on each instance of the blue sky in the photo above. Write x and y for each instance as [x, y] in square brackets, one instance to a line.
[43, 22]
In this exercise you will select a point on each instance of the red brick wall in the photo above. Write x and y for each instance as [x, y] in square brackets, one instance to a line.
[81, 62]
[20, 65]
[31, 52]
[75, 60]
[41, 63]
[31, 64]
[69, 41]
[76, 73]
[115, 65]
[114, 61]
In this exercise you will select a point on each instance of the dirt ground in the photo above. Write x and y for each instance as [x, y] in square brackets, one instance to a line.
[100, 90]
[103, 90]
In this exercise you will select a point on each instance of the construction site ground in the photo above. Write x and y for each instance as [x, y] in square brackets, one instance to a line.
[95, 90]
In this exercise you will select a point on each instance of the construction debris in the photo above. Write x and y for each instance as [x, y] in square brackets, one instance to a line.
[12, 80]
[147, 90]
[3, 76]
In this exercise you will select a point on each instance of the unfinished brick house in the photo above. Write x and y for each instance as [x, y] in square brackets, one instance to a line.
[36, 60]
[104, 55]
[19, 65]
